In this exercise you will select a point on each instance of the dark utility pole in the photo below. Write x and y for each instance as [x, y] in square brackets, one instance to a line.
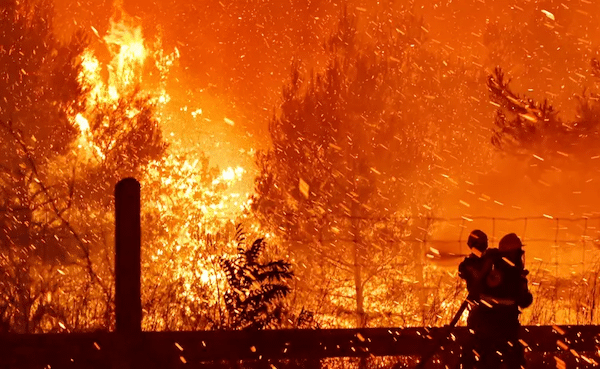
[127, 259]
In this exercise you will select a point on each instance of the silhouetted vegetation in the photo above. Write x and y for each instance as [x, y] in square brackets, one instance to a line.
[255, 287]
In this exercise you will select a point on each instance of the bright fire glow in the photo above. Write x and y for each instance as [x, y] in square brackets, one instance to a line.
[129, 56]
[179, 189]
[184, 198]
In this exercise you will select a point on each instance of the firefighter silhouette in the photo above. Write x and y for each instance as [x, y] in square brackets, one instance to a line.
[497, 286]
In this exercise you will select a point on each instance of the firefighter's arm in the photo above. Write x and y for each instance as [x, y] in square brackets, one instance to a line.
[479, 275]
[468, 272]
[525, 298]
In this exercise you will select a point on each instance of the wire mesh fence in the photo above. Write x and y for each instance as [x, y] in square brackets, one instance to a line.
[562, 256]
[409, 264]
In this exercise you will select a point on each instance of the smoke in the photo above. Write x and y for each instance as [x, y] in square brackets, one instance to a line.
[236, 56]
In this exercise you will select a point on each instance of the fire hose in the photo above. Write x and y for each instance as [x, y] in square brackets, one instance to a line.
[446, 330]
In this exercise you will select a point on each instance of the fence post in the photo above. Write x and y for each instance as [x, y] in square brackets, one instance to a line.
[128, 302]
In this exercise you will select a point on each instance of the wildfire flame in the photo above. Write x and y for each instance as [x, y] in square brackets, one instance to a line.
[180, 176]
[125, 69]
[128, 60]
[129, 53]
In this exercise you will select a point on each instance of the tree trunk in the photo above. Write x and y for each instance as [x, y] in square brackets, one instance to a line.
[358, 287]
[357, 266]
[418, 257]
[358, 282]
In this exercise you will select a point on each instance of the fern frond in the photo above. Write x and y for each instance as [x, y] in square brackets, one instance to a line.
[240, 237]
[255, 250]
[254, 288]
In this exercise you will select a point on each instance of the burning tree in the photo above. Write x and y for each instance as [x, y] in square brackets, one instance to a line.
[536, 133]
[187, 230]
[70, 132]
[58, 174]
[41, 90]
[355, 151]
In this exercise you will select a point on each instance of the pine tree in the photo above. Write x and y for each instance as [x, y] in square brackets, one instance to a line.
[536, 132]
[354, 152]
[40, 89]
